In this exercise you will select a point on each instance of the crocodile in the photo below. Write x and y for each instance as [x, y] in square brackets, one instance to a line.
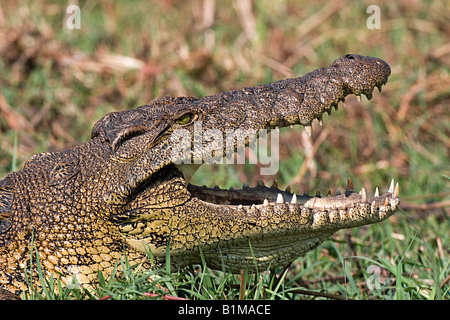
[126, 190]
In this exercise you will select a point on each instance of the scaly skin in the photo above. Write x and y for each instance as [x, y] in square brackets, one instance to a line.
[124, 188]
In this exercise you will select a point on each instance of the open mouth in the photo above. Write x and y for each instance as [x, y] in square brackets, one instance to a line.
[260, 196]
[248, 198]
[265, 195]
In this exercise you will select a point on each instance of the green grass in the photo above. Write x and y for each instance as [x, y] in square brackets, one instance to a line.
[55, 83]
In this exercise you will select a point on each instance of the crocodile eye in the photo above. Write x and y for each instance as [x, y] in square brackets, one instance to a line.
[185, 118]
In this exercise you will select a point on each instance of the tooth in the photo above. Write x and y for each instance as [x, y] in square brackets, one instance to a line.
[308, 130]
[317, 193]
[320, 121]
[338, 192]
[379, 87]
[306, 205]
[275, 184]
[280, 198]
[386, 201]
[260, 183]
[329, 193]
[240, 207]
[294, 198]
[288, 188]
[336, 107]
[329, 112]
[292, 126]
[368, 96]
[358, 98]
[396, 191]
[349, 185]
[377, 192]
[364, 195]
[266, 202]
[245, 185]
[391, 188]
[231, 189]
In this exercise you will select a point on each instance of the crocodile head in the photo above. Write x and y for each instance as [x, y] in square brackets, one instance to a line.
[129, 186]
[155, 149]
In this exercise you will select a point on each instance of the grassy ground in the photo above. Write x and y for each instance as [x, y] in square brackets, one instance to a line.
[55, 83]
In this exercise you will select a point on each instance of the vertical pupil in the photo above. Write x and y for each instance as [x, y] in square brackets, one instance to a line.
[185, 118]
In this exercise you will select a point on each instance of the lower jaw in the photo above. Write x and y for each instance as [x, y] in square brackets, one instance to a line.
[253, 255]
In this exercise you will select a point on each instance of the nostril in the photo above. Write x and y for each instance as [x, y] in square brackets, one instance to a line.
[349, 57]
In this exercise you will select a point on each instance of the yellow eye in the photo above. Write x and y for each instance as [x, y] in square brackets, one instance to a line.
[185, 118]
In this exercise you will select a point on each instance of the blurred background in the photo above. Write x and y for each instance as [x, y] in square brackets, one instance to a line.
[60, 73]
